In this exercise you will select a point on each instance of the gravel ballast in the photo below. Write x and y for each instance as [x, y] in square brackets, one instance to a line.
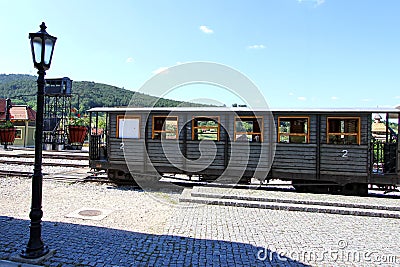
[132, 209]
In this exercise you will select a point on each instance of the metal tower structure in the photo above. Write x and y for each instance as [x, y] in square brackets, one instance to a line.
[57, 110]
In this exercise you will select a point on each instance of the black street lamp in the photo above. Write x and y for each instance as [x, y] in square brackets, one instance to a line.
[8, 108]
[42, 46]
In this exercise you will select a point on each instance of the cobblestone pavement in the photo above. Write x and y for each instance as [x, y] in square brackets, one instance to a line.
[153, 233]
[285, 238]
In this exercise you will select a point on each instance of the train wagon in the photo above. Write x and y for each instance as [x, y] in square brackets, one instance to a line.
[319, 150]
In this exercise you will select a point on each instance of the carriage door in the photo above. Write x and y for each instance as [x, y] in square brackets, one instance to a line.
[391, 144]
[398, 147]
[385, 144]
[345, 152]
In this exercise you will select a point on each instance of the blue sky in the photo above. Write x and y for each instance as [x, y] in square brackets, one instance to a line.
[308, 53]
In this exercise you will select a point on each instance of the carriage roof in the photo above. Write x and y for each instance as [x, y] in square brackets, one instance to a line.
[245, 109]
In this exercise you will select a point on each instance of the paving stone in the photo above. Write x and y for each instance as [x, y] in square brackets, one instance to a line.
[203, 235]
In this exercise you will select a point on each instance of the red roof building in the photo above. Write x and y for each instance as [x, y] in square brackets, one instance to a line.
[23, 117]
[17, 112]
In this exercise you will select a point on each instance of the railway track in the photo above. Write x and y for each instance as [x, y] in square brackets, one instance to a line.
[16, 173]
[71, 167]
[60, 177]
[53, 164]
[48, 156]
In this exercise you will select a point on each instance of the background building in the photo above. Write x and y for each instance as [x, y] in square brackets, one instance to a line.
[23, 117]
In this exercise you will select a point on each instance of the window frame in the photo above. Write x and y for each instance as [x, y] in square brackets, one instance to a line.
[213, 118]
[153, 131]
[122, 117]
[357, 134]
[261, 133]
[307, 135]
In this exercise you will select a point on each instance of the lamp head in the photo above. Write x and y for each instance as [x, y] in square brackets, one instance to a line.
[42, 47]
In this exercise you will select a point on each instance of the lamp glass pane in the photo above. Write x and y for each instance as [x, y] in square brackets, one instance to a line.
[37, 49]
[48, 43]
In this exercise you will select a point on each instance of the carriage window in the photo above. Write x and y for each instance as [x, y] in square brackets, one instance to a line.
[205, 128]
[128, 127]
[18, 134]
[293, 130]
[248, 129]
[343, 131]
[165, 127]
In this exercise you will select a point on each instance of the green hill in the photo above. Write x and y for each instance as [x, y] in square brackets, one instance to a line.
[22, 88]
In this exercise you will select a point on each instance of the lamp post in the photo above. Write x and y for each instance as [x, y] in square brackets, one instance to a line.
[8, 108]
[42, 46]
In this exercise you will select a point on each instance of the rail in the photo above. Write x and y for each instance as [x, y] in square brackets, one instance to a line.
[53, 164]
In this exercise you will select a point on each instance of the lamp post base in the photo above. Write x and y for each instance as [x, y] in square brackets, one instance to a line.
[35, 254]
[29, 260]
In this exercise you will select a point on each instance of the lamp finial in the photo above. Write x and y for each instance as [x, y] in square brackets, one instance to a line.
[43, 27]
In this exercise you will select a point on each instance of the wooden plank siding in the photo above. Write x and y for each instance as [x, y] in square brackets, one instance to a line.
[125, 150]
[338, 161]
[341, 158]
[295, 157]
[291, 161]
[297, 160]
[319, 160]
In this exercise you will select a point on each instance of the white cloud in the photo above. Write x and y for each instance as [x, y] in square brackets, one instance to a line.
[159, 70]
[291, 94]
[334, 98]
[365, 100]
[302, 98]
[256, 46]
[205, 29]
[129, 60]
[315, 2]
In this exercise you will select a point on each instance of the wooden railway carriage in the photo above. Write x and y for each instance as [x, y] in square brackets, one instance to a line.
[319, 150]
